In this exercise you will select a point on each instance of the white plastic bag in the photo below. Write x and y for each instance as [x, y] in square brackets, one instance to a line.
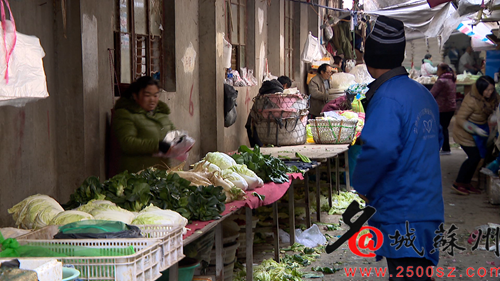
[226, 54]
[362, 75]
[23, 79]
[312, 49]
[311, 237]
[180, 143]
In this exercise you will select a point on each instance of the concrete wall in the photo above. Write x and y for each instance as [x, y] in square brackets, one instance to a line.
[50, 146]
[257, 52]
[27, 139]
[185, 101]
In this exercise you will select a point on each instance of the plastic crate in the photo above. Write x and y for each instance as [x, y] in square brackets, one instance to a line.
[169, 237]
[171, 242]
[144, 265]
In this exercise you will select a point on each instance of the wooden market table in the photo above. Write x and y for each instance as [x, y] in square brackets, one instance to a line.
[321, 153]
[467, 85]
[272, 192]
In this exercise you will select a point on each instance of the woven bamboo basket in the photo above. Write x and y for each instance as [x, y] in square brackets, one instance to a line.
[280, 119]
[327, 131]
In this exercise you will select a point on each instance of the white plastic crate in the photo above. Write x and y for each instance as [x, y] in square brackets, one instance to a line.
[170, 241]
[144, 265]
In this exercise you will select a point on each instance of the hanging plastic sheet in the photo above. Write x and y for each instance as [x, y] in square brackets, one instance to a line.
[429, 23]
[468, 7]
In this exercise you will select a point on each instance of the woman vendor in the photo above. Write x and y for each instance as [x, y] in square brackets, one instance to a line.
[471, 130]
[141, 124]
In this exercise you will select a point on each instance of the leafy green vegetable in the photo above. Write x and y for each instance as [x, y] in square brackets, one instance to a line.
[333, 227]
[342, 201]
[268, 168]
[303, 158]
[90, 189]
[326, 270]
[207, 202]
[260, 196]
[134, 192]
[270, 270]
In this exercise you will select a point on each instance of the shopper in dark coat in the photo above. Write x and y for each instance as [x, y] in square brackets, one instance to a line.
[444, 91]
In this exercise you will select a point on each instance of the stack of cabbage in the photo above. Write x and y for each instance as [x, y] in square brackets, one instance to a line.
[239, 175]
[35, 211]
[38, 211]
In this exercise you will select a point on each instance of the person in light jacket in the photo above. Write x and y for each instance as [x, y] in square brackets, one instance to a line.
[444, 91]
[471, 130]
[398, 170]
[427, 68]
[318, 89]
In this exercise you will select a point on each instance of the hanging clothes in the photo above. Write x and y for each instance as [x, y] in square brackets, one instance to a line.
[342, 39]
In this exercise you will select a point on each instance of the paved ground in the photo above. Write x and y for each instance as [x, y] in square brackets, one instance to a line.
[465, 212]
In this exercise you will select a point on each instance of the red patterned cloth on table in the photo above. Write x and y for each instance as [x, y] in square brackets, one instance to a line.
[272, 191]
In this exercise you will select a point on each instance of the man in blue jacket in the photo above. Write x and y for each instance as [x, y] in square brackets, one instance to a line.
[398, 170]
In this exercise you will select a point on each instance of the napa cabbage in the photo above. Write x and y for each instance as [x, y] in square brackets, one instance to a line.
[248, 175]
[70, 216]
[220, 159]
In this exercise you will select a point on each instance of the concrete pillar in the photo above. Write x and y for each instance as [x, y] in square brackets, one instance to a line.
[84, 94]
[69, 108]
[300, 34]
[276, 41]
[313, 19]
[261, 38]
[211, 26]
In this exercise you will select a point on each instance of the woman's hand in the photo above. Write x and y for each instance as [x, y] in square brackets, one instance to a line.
[474, 129]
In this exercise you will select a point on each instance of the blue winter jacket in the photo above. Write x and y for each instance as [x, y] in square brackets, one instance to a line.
[399, 169]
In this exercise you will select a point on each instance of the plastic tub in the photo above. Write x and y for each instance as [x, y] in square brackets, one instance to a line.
[186, 270]
[69, 274]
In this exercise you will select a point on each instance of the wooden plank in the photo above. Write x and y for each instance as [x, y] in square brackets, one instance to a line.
[219, 259]
[173, 272]
[308, 201]
[313, 151]
[347, 178]
[291, 212]
[337, 175]
[318, 194]
[249, 241]
[330, 192]
[276, 232]
[204, 230]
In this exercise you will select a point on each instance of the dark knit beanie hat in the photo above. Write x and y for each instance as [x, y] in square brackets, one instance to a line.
[385, 46]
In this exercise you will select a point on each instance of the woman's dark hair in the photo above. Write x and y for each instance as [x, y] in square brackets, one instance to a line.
[140, 84]
[285, 80]
[323, 67]
[483, 82]
[445, 68]
[426, 57]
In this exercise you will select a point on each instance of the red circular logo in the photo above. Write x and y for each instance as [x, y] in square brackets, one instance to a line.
[355, 245]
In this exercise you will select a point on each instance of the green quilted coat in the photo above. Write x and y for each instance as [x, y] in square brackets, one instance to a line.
[139, 132]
